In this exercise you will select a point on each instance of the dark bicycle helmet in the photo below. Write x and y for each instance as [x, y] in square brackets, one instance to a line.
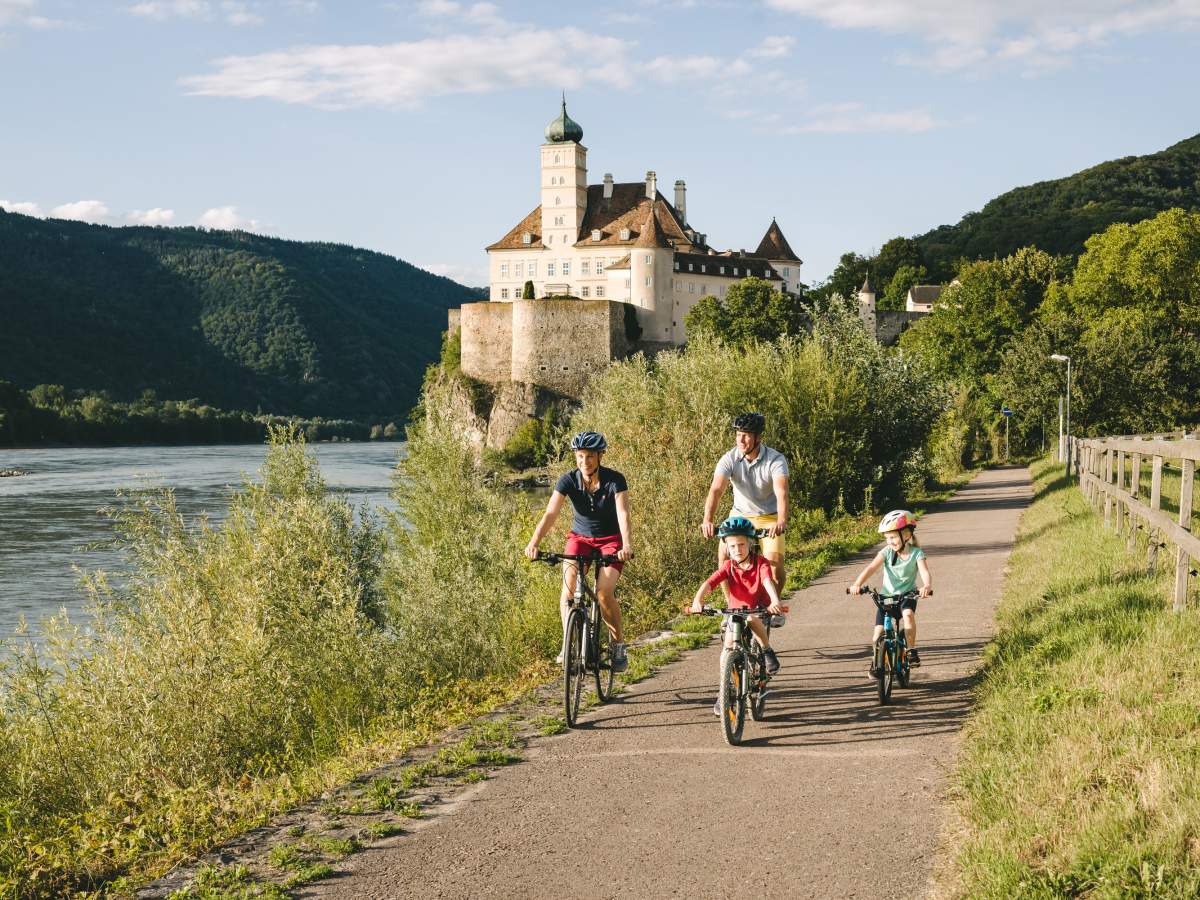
[589, 440]
[750, 421]
[736, 525]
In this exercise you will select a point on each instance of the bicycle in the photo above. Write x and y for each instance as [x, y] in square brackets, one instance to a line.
[587, 645]
[744, 675]
[890, 653]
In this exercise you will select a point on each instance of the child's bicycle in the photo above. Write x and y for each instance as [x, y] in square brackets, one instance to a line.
[890, 654]
[586, 642]
[743, 671]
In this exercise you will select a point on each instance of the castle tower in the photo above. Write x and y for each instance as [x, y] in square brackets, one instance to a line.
[866, 304]
[775, 248]
[650, 264]
[563, 181]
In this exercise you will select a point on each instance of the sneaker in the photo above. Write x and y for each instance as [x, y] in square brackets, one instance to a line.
[717, 707]
[914, 659]
[875, 672]
[620, 658]
[559, 659]
[772, 661]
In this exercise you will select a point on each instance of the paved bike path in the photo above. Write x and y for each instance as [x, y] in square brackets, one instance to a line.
[646, 800]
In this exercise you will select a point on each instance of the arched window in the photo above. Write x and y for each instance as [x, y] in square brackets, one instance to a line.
[557, 201]
[556, 159]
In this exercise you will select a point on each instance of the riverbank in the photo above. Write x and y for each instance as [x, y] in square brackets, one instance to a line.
[1078, 773]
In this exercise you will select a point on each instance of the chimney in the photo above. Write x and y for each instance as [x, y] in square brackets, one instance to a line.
[651, 185]
[681, 199]
[608, 185]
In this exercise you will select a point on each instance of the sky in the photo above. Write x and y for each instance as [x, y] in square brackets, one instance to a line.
[413, 128]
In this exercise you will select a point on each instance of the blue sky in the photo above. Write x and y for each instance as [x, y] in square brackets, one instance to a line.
[412, 127]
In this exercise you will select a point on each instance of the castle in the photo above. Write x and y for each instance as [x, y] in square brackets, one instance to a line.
[605, 246]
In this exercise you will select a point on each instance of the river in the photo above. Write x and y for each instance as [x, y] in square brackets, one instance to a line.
[47, 516]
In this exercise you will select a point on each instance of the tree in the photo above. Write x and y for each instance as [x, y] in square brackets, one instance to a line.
[752, 310]
[895, 295]
[527, 291]
[846, 279]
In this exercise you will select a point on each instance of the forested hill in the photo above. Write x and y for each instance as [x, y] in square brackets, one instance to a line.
[1058, 216]
[238, 320]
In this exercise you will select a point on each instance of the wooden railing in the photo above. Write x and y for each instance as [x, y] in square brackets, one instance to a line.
[1110, 476]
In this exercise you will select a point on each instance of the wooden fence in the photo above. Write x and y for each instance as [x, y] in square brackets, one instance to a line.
[1110, 476]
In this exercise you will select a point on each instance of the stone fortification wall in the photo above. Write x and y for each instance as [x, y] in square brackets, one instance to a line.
[560, 344]
[453, 319]
[891, 323]
[487, 340]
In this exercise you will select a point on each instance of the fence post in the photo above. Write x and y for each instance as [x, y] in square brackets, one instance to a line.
[1182, 561]
[1155, 504]
[1118, 500]
[1135, 484]
[1108, 476]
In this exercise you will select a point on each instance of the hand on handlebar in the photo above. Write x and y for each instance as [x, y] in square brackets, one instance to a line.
[853, 589]
[926, 592]
[776, 609]
[531, 551]
[696, 608]
[625, 554]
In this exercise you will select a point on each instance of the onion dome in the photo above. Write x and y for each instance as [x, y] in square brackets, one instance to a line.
[564, 128]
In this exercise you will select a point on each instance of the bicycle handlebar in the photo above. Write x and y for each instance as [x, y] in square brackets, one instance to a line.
[731, 611]
[555, 558]
[887, 601]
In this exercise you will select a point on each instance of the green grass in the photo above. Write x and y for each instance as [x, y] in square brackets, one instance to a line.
[229, 883]
[1077, 777]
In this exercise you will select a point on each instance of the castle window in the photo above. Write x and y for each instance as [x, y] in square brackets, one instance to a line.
[703, 268]
[599, 267]
[527, 238]
[691, 268]
[722, 270]
[649, 259]
[787, 273]
[595, 234]
[556, 159]
[520, 270]
[626, 284]
[549, 270]
[557, 201]
[503, 270]
[549, 239]
[691, 287]
[647, 281]
[566, 267]
[533, 270]
[676, 265]
[678, 286]
[585, 291]
[735, 270]
[503, 293]
[624, 234]
[584, 268]
[701, 289]
[600, 290]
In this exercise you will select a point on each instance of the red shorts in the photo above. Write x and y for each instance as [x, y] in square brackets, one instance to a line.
[608, 545]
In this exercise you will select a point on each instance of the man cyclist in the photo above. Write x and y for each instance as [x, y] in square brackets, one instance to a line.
[759, 475]
[600, 498]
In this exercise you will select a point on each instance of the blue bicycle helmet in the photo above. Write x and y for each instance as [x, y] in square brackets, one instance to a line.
[589, 440]
[736, 525]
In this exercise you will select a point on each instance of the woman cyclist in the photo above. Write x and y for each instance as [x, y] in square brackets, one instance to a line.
[902, 560]
[600, 498]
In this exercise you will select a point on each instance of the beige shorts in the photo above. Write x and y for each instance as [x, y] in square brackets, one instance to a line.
[770, 546]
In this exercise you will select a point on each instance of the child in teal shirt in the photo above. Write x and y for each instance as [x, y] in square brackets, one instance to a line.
[902, 560]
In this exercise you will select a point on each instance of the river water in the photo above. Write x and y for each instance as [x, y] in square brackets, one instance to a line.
[47, 516]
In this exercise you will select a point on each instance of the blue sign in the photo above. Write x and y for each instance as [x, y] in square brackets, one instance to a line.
[1004, 410]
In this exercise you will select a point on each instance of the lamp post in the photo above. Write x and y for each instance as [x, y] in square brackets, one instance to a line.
[1059, 357]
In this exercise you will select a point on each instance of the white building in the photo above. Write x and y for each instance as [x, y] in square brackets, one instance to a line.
[622, 241]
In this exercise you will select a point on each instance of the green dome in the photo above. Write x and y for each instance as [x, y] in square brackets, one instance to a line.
[564, 128]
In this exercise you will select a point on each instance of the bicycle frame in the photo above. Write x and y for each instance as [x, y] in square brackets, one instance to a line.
[893, 660]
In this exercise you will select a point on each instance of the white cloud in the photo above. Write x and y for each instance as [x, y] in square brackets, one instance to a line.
[470, 275]
[81, 210]
[854, 118]
[234, 12]
[406, 74]
[966, 33]
[156, 216]
[226, 218]
[12, 9]
[672, 69]
[773, 47]
[25, 207]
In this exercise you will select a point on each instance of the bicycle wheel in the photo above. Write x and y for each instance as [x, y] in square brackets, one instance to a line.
[603, 658]
[903, 670]
[733, 698]
[758, 676]
[574, 671]
[887, 670]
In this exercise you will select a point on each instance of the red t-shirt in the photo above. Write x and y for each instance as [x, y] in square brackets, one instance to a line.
[745, 585]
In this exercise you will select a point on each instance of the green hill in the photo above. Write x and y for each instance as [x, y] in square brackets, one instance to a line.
[1058, 216]
[238, 320]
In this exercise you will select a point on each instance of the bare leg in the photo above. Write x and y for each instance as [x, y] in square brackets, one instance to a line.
[778, 570]
[910, 628]
[760, 632]
[568, 591]
[606, 585]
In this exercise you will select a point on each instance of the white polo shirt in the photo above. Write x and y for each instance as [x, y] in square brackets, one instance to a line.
[753, 480]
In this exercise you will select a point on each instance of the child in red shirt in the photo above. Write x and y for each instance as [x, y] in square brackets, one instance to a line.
[751, 583]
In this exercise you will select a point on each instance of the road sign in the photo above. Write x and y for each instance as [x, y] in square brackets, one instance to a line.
[1006, 411]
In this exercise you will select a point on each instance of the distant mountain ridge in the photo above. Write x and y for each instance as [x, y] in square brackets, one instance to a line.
[1059, 215]
[238, 320]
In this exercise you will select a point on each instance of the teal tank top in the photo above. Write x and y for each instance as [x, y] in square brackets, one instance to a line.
[900, 575]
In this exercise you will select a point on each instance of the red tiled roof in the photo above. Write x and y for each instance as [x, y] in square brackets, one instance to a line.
[514, 240]
[628, 208]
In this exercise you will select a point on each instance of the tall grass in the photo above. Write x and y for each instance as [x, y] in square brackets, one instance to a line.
[1078, 775]
[231, 654]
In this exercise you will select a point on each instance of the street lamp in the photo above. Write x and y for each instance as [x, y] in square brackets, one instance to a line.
[1059, 357]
